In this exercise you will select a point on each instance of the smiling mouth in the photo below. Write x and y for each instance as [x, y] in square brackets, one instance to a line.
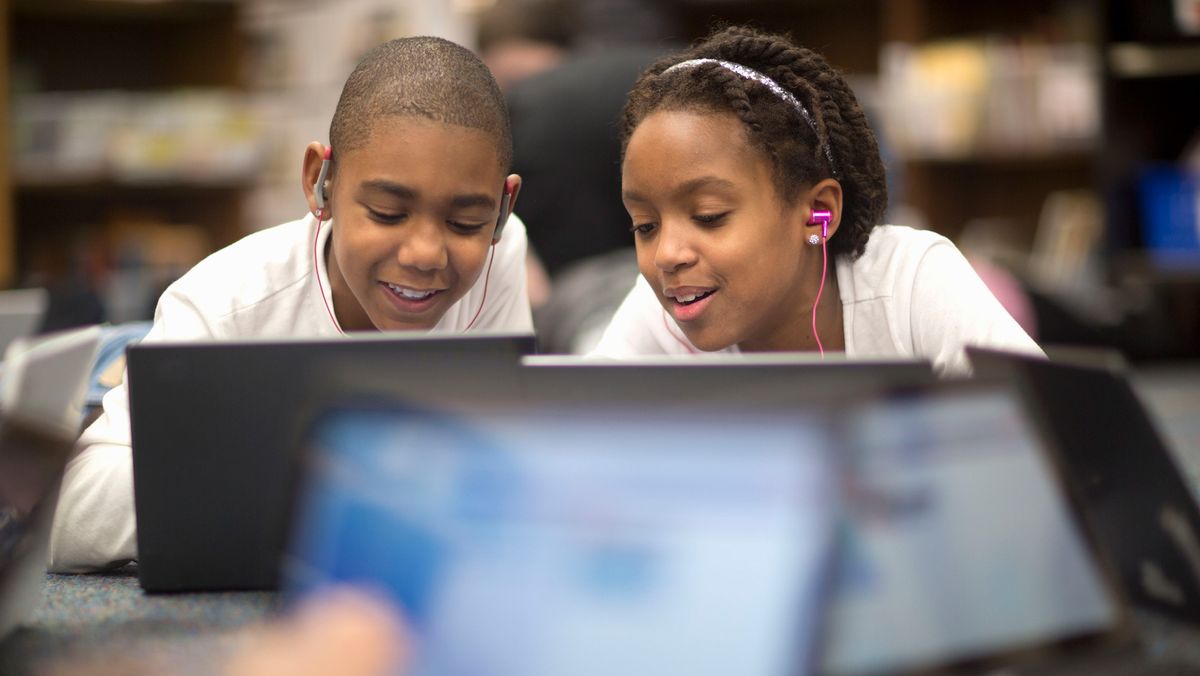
[409, 294]
[693, 298]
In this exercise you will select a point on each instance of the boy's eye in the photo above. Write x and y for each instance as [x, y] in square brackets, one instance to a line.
[466, 228]
[710, 219]
[385, 217]
[643, 228]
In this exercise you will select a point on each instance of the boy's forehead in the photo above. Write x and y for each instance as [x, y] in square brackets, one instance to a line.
[404, 135]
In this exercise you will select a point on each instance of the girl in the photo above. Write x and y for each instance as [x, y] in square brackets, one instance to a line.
[756, 190]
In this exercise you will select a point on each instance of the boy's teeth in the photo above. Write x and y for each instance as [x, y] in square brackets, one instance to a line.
[409, 293]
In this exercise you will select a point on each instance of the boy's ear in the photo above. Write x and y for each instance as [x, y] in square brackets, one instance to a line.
[310, 172]
[825, 195]
[512, 184]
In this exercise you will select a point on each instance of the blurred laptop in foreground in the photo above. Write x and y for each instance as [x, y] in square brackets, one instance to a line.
[41, 399]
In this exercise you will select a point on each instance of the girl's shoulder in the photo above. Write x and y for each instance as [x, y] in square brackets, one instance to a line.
[901, 241]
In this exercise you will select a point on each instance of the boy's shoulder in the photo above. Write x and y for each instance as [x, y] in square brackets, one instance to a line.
[252, 269]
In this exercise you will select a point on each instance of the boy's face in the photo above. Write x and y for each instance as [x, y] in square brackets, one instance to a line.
[723, 252]
[414, 210]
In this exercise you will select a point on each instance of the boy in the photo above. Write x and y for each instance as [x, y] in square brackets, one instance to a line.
[404, 230]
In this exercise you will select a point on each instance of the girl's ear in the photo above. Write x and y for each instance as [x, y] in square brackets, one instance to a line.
[825, 195]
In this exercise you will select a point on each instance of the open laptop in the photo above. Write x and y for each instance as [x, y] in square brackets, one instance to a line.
[963, 550]
[42, 393]
[1131, 488]
[579, 540]
[21, 313]
[798, 380]
[215, 430]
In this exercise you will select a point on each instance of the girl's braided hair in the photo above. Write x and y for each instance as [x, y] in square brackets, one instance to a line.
[796, 149]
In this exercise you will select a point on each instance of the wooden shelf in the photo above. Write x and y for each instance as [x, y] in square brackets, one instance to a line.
[123, 10]
[1139, 60]
[74, 46]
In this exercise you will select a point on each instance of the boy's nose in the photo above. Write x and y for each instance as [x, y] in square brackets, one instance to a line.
[423, 247]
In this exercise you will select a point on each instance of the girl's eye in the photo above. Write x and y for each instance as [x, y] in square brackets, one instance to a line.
[642, 228]
[384, 217]
[710, 219]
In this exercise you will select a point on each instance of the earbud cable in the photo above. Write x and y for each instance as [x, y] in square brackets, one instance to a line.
[820, 289]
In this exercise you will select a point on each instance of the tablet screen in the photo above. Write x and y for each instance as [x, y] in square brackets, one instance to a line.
[582, 542]
[961, 542]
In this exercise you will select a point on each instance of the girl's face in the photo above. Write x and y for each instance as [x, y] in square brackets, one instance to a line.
[723, 252]
[414, 211]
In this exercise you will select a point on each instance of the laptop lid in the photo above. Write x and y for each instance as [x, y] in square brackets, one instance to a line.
[1136, 498]
[21, 313]
[215, 428]
[747, 380]
[44, 382]
[590, 541]
[962, 548]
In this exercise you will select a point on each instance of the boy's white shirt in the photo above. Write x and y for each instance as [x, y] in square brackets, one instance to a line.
[262, 286]
[912, 294]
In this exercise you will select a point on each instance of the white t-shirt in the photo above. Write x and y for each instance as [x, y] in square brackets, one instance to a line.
[262, 286]
[912, 294]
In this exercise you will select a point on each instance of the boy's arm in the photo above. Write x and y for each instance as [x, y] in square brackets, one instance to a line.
[94, 526]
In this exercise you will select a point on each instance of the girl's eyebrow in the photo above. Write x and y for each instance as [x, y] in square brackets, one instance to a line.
[702, 182]
[686, 188]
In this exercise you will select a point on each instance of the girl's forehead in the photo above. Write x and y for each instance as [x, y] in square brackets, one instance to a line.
[688, 139]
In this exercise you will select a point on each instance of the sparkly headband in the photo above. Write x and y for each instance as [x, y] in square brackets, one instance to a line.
[785, 95]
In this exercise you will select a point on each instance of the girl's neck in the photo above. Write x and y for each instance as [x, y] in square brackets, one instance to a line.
[795, 333]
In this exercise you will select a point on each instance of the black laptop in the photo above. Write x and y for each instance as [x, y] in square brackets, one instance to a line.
[215, 430]
[796, 379]
[1132, 491]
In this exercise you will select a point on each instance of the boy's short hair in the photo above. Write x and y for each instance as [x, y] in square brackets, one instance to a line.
[421, 77]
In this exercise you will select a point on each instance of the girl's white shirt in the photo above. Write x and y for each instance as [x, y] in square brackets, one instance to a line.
[911, 295]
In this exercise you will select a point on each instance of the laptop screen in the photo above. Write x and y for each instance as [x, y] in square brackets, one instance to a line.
[578, 542]
[961, 544]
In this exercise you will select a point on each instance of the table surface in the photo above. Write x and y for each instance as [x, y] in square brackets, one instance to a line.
[105, 624]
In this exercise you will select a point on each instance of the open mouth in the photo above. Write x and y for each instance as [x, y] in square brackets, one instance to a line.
[694, 298]
[410, 294]
[409, 299]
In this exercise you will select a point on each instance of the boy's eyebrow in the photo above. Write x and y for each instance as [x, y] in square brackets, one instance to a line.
[686, 188]
[404, 192]
[477, 200]
[396, 189]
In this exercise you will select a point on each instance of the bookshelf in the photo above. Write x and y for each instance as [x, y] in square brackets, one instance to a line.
[130, 139]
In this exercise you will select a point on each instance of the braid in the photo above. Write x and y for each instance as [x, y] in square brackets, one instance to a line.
[796, 149]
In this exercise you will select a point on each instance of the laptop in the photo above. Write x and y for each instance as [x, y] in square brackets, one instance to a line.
[41, 396]
[962, 550]
[215, 429]
[21, 313]
[1130, 486]
[579, 540]
[569, 382]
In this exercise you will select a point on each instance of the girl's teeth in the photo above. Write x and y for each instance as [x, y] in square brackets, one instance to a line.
[686, 299]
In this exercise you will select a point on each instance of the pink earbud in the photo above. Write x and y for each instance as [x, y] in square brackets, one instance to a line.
[822, 217]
